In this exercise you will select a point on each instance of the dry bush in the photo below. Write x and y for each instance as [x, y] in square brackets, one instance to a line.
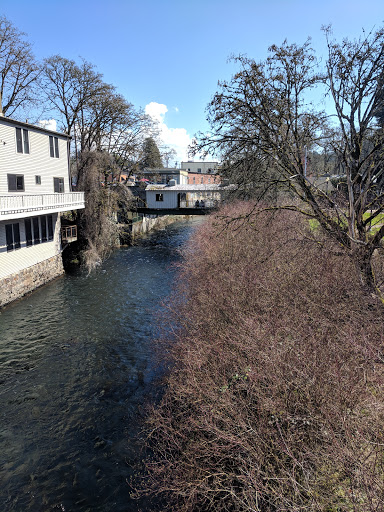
[275, 398]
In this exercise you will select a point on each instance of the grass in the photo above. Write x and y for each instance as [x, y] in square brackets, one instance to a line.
[375, 224]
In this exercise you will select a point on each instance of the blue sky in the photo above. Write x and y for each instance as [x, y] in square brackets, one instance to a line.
[170, 54]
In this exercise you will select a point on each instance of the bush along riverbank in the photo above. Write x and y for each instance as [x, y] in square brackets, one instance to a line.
[274, 400]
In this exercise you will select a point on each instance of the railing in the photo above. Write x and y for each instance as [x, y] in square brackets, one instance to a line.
[209, 203]
[27, 203]
[68, 234]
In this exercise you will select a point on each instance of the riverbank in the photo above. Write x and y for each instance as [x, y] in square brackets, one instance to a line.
[276, 393]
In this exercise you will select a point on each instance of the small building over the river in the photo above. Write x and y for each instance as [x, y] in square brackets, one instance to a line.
[185, 196]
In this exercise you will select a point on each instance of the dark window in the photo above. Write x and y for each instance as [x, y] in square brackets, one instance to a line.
[15, 182]
[22, 140]
[19, 140]
[159, 197]
[38, 180]
[51, 148]
[28, 231]
[54, 147]
[26, 141]
[58, 184]
[43, 225]
[50, 227]
[12, 234]
[36, 230]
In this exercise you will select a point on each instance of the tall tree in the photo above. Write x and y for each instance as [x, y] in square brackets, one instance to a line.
[19, 70]
[69, 88]
[151, 155]
[108, 134]
[264, 110]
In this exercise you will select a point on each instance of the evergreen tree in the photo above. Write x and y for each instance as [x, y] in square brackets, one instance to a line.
[151, 155]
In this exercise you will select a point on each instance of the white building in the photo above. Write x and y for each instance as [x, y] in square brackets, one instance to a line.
[200, 167]
[34, 190]
[163, 176]
[184, 196]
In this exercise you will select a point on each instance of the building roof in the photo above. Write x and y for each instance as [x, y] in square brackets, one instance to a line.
[205, 162]
[168, 170]
[32, 126]
[190, 188]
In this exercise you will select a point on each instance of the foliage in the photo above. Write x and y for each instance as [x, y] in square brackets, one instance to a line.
[151, 155]
[275, 397]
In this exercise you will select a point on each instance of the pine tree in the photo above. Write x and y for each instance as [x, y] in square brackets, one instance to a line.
[151, 155]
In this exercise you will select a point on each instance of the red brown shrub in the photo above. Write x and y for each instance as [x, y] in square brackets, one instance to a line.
[275, 398]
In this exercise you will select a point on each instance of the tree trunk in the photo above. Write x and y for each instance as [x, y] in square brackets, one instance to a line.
[362, 257]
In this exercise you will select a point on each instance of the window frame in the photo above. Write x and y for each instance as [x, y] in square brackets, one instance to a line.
[22, 141]
[16, 178]
[54, 146]
[60, 185]
[28, 232]
[36, 230]
[159, 198]
[12, 236]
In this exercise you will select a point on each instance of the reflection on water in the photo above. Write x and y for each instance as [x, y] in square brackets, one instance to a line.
[75, 366]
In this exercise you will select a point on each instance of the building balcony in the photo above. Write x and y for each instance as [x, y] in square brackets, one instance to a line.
[20, 206]
[68, 234]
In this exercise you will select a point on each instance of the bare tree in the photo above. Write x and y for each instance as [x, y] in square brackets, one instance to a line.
[108, 134]
[355, 80]
[19, 69]
[111, 124]
[69, 88]
[264, 110]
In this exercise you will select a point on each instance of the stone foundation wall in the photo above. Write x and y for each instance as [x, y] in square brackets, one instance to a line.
[16, 285]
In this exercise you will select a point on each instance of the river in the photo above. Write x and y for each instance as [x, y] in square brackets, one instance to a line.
[76, 366]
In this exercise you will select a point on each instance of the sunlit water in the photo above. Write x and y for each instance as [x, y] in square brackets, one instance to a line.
[76, 366]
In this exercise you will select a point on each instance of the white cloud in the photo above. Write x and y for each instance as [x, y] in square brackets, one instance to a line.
[48, 124]
[176, 138]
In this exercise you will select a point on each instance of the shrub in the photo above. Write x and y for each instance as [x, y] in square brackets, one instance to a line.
[275, 397]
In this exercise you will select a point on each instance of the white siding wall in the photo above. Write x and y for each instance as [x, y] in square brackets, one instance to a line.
[183, 178]
[37, 162]
[19, 259]
[170, 198]
[203, 166]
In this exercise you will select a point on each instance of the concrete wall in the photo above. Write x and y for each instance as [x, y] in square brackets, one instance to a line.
[16, 285]
[148, 224]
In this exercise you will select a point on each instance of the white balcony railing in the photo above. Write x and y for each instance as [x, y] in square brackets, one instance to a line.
[13, 206]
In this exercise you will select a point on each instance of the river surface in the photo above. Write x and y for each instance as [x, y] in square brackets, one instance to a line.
[76, 367]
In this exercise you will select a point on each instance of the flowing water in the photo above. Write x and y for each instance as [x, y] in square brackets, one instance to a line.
[76, 367]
